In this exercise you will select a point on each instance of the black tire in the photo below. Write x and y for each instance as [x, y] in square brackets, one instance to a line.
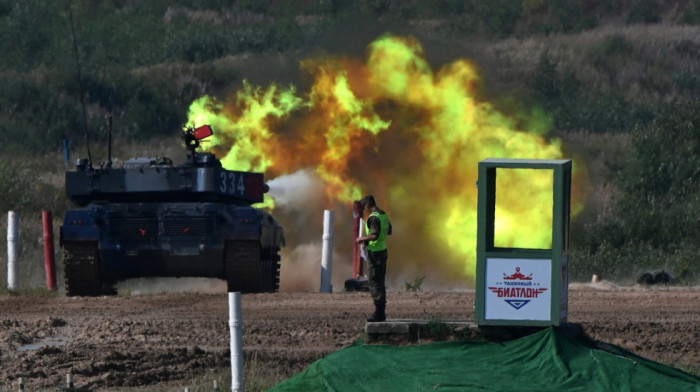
[81, 263]
[661, 277]
[645, 278]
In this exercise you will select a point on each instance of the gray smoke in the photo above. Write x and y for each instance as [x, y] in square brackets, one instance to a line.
[300, 199]
[295, 191]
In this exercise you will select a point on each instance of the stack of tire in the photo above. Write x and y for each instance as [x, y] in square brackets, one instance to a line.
[659, 277]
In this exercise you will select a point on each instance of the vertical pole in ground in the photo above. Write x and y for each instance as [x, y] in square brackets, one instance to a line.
[12, 249]
[235, 323]
[49, 256]
[363, 251]
[357, 228]
[66, 151]
[327, 252]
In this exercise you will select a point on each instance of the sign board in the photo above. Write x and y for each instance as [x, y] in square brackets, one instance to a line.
[518, 289]
[523, 286]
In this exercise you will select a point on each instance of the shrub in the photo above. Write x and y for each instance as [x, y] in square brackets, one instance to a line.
[691, 15]
[656, 217]
[645, 11]
[15, 186]
[415, 286]
[661, 180]
[577, 108]
[498, 17]
[24, 190]
[626, 263]
[557, 16]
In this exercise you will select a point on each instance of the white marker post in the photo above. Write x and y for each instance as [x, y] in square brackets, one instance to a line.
[327, 252]
[235, 323]
[12, 249]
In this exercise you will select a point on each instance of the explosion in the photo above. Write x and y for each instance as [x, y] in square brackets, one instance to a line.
[392, 127]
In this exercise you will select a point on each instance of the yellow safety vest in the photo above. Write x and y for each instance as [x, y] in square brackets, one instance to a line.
[380, 242]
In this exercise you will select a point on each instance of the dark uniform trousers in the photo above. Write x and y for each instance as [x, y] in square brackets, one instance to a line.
[377, 273]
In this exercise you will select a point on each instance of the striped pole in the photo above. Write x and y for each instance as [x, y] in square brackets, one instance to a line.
[12, 249]
[235, 323]
[327, 252]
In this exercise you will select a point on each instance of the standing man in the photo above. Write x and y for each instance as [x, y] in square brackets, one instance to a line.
[377, 229]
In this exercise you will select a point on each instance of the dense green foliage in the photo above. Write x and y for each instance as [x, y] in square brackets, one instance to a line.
[574, 106]
[596, 71]
[662, 178]
[129, 54]
[14, 187]
[656, 224]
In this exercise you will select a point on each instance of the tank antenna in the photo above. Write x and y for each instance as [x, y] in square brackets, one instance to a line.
[80, 79]
[109, 143]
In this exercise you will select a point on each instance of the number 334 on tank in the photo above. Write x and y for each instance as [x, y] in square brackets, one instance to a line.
[232, 182]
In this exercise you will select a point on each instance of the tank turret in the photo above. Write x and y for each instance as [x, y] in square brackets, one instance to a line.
[201, 178]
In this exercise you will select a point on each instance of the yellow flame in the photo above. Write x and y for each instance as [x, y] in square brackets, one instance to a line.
[392, 127]
[518, 219]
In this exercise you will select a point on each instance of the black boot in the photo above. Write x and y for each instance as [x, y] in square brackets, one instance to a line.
[378, 315]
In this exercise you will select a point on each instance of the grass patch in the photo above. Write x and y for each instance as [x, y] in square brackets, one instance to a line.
[257, 378]
[415, 286]
[437, 330]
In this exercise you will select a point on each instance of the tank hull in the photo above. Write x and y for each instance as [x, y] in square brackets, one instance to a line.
[129, 240]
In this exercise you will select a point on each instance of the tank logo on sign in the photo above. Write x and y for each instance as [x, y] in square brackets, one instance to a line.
[517, 289]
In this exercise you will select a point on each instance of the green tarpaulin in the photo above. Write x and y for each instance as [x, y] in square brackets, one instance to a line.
[549, 360]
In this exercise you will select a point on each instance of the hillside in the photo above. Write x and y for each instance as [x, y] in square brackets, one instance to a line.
[616, 82]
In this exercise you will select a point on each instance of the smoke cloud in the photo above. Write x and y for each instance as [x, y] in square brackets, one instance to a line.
[391, 126]
[293, 191]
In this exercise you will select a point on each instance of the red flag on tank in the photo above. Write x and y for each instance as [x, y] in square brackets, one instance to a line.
[203, 132]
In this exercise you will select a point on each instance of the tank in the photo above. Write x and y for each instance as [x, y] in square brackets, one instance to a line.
[151, 218]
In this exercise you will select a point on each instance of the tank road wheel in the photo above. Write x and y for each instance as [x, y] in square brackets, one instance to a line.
[81, 261]
[243, 267]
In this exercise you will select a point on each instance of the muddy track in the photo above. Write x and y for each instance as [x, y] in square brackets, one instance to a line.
[109, 343]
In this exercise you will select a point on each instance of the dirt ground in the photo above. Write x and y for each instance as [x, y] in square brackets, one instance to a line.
[154, 340]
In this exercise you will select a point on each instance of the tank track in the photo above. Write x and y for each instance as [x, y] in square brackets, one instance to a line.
[271, 268]
[248, 269]
[81, 263]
